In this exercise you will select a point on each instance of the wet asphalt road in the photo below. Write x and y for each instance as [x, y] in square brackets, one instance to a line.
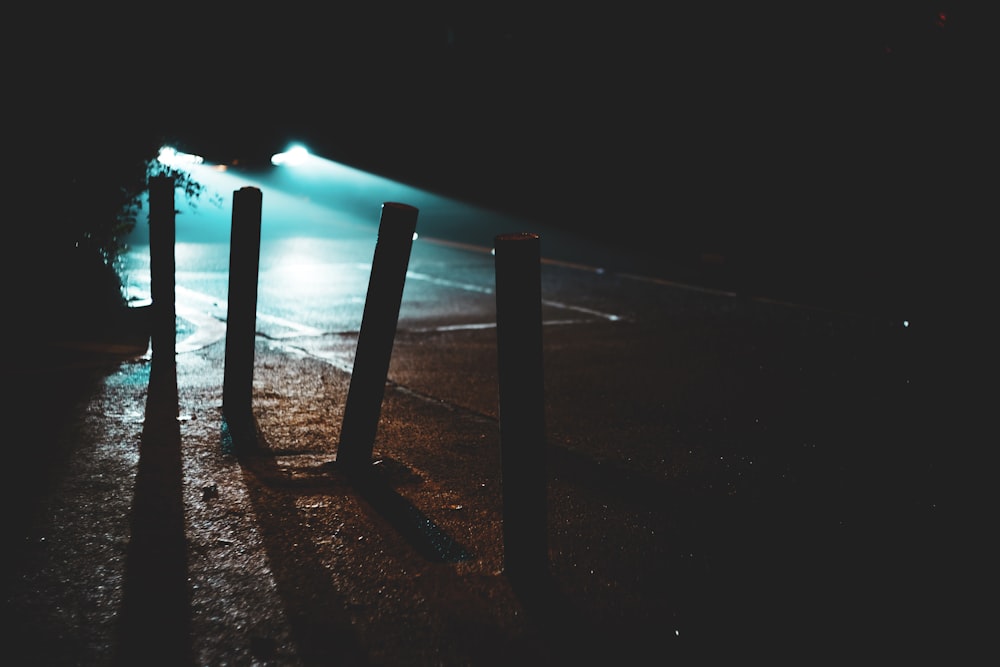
[729, 476]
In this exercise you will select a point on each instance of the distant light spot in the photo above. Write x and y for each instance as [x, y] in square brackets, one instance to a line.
[295, 155]
[176, 159]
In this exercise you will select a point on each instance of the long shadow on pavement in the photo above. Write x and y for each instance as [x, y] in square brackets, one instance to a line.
[155, 621]
[319, 621]
[375, 486]
[43, 403]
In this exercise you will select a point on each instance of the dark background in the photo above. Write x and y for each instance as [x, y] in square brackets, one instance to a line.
[838, 145]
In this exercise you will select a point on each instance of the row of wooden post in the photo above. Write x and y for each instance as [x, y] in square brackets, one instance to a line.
[519, 350]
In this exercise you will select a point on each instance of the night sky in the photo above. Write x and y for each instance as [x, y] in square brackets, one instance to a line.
[527, 65]
[741, 125]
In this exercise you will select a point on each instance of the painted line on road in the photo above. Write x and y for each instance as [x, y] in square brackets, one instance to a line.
[637, 278]
[469, 287]
[340, 360]
[487, 325]
[208, 315]
[223, 306]
[591, 269]
[299, 329]
[674, 283]
[208, 328]
[611, 317]
[444, 282]
[588, 269]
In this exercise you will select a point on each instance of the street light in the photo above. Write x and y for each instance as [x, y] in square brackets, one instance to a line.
[176, 159]
[294, 156]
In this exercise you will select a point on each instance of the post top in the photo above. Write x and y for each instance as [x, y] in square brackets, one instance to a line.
[398, 205]
[516, 236]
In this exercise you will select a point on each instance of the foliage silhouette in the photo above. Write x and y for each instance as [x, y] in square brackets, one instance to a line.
[69, 281]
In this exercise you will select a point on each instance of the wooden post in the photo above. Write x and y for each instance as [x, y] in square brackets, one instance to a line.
[162, 265]
[378, 329]
[522, 404]
[241, 317]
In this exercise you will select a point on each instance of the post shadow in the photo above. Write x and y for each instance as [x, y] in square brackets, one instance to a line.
[367, 387]
[319, 621]
[375, 486]
[155, 620]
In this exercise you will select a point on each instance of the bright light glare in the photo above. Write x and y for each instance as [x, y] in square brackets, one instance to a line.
[293, 156]
[176, 159]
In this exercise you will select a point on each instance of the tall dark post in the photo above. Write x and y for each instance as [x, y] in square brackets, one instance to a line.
[378, 328]
[162, 265]
[522, 404]
[241, 318]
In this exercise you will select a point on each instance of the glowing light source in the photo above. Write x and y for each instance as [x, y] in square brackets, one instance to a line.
[177, 159]
[295, 155]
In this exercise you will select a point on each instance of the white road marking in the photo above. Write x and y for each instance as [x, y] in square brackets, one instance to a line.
[208, 328]
[444, 282]
[338, 359]
[468, 287]
[488, 325]
[222, 307]
[208, 314]
[580, 309]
